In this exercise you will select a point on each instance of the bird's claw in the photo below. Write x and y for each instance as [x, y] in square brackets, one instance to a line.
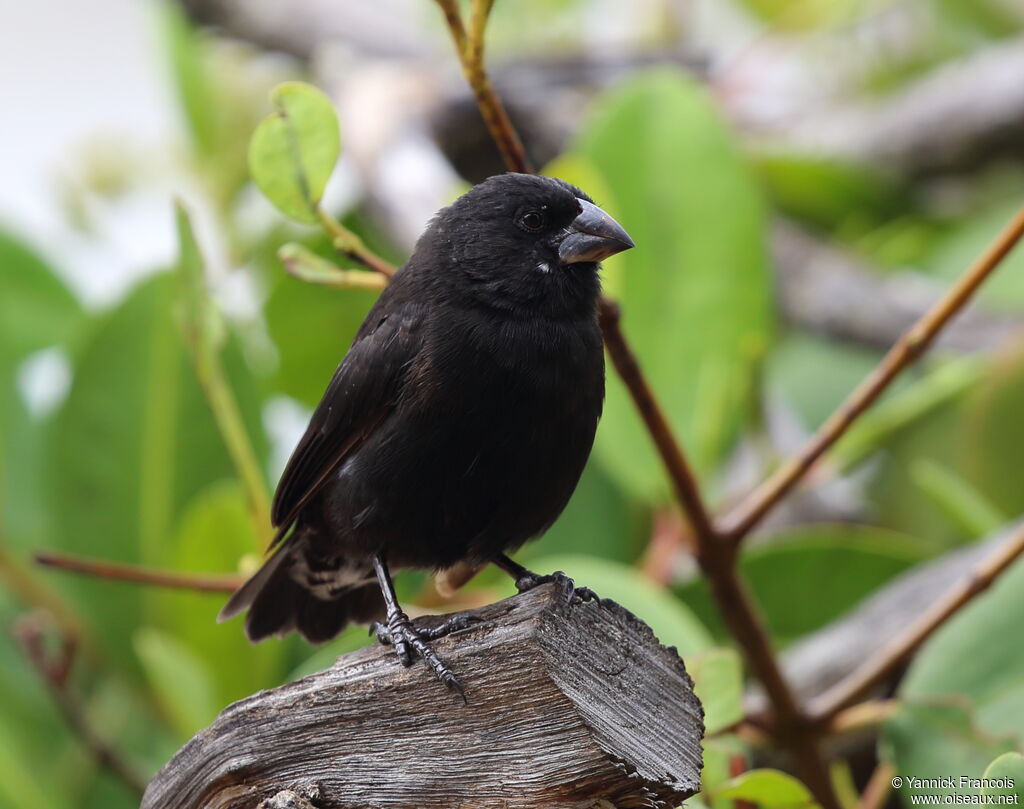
[410, 642]
[573, 593]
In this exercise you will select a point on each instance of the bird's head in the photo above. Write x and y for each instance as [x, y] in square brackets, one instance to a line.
[527, 242]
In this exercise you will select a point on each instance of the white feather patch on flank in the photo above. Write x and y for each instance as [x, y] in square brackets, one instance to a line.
[543, 267]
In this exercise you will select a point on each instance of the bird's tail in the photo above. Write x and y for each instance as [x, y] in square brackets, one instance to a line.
[278, 603]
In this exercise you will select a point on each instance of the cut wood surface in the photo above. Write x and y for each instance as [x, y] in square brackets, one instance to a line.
[568, 704]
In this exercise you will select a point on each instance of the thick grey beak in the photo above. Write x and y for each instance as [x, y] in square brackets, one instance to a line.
[593, 236]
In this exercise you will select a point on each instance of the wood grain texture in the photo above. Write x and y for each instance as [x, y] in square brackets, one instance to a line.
[569, 704]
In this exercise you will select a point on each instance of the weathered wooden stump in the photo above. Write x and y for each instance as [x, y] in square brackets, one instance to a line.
[568, 704]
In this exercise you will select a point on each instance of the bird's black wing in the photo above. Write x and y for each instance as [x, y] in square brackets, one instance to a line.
[361, 394]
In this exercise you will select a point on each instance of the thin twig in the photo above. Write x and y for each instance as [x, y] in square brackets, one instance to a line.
[470, 48]
[352, 246]
[879, 786]
[201, 582]
[905, 351]
[28, 632]
[878, 668]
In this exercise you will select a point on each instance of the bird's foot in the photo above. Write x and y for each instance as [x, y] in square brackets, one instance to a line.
[530, 580]
[409, 642]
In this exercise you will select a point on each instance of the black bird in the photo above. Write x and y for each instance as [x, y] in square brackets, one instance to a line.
[458, 424]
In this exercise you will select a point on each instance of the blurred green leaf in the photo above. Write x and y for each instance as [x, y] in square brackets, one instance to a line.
[938, 739]
[771, 789]
[815, 375]
[293, 151]
[599, 521]
[181, 681]
[907, 402]
[968, 509]
[695, 292]
[672, 621]
[214, 533]
[954, 252]
[719, 753]
[132, 444]
[20, 787]
[808, 576]
[1008, 767]
[312, 328]
[828, 193]
[990, 439]
[718, 682]
[202, 322]
[36, 309]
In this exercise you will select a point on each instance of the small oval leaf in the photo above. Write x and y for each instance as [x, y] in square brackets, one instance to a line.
[293, 151]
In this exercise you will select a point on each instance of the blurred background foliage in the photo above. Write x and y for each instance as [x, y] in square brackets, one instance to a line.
[110, 448]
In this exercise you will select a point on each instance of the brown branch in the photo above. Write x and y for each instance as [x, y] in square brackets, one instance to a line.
[906, 350]
[120, 571]
[54, 671]
[878, 668]
[470, 48]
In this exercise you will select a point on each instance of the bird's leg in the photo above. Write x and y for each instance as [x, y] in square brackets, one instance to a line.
[399, 631]
[527, 579]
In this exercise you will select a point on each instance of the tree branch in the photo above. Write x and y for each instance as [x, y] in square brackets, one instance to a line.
[201, 582]
[906, 350]
[28, 632]
[878, 668]
[470, 48]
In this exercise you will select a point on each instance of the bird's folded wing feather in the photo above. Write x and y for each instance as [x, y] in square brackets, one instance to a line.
[360, 396]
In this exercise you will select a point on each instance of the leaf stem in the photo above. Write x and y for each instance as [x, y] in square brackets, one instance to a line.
[351, 245]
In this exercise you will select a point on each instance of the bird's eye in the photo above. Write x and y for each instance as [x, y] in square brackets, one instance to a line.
[532, 220]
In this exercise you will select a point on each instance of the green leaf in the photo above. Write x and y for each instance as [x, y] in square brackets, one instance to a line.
[907, 404]
[132, 444]
[991, 435]
[1008, 768]
[718, 682]
[181, 681]
[938, 739]
[214, 533]
[293, 151]
[599, 520]
[808, 576]
[312, 328]
[968, 508]
[826, 192]
[672, 621]
[695, 293]
[36, 309]
[957, 250]
[771, 789]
